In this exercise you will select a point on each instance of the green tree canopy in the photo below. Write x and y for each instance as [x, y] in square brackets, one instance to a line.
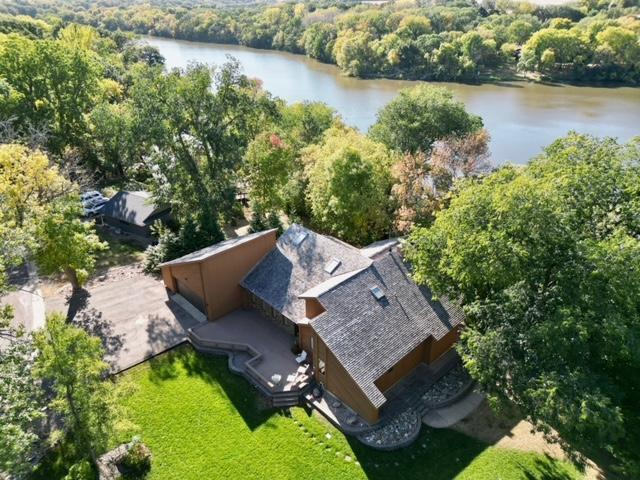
[349, 179]
[198, 123]
[51, 86]
[66, 244]
[72, 361]
[546, 261]
[419, 116]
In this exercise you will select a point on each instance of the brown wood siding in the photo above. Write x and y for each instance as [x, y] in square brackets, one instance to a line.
[216, 279]
[188, 275]
[304, 337]
[222, 273]
[340, 383]
[439, 347]
[313, 308]
[169, 281]
[401, 369]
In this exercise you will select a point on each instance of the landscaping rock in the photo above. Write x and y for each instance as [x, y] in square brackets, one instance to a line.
[447, 386]
[396, 433]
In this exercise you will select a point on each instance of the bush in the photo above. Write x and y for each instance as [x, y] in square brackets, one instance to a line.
[137, 462]
[81, 471]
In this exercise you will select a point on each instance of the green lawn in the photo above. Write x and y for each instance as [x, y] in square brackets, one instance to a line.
[201, 421]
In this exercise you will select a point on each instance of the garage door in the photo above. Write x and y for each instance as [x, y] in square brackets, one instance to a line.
[192, 297]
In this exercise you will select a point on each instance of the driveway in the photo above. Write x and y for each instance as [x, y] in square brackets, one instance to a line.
[130, 312]
[25, 297]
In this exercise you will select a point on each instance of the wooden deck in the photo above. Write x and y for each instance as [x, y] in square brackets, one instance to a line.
[257, 348]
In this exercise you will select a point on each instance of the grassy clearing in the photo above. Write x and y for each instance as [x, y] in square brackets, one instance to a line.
[121, 251]
[201, 421]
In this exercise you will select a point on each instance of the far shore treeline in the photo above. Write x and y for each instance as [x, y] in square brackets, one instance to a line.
[442, 40]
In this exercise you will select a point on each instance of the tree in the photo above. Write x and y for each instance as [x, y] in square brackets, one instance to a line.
[53, 85]
[354, 53]
[72, 361]
[67, 245]
[424, 182]
[21, 401]
[546, 262]
[319, 39]
[419, 116]
[197, 124]
[29, 184]
[550, 49]
[349, 184]
[268, 165]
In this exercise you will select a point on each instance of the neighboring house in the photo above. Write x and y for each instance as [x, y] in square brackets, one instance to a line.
[134, 213]
[363, 321]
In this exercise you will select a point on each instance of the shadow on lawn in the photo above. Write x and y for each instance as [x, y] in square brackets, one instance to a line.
[546, 469]
[214, 371]
[441, 455]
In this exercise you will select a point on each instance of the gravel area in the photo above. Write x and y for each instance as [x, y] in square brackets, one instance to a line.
[447, 386]
[396, 433]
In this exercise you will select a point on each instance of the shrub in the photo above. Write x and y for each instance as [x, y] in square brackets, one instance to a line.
[81, 471]
[137, 462]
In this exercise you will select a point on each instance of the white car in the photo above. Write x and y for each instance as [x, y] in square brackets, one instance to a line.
[94, 201]
[91, 211]
[89, 195]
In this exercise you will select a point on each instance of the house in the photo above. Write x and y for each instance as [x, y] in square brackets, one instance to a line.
[134, 213]
[363, 322]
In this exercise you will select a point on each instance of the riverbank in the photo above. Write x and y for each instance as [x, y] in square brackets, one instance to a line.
[503, 74]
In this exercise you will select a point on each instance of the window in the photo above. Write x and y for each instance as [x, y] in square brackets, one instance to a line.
[332, 265]
[377, 292]
[299, 238]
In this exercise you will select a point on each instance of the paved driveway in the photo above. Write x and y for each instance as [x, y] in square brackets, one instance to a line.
[132, 314]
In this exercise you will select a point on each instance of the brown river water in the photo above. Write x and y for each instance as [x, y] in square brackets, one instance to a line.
[522, 117]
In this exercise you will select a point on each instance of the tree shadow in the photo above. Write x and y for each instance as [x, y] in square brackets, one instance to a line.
[546, 468]
[436, 455]
[82, 315]
[214, 370]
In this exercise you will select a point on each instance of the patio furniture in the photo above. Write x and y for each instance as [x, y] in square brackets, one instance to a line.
[302, 357]
[275, 378]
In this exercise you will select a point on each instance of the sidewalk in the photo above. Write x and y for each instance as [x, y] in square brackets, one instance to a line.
[447, 416]
[27, 301]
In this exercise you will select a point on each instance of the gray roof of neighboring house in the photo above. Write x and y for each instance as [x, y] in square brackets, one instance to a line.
[376, 248]
[369, 336]
[217, 248]
[137, 208]
[289, 269]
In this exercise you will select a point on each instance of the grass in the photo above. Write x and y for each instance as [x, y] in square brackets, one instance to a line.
[120, 252]
[201, 421]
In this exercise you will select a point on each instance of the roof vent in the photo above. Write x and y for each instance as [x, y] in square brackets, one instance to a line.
[299, 238]
[332, 265]
[377, 292]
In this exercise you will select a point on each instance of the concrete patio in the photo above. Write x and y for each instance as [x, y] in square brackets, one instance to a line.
[258, 349]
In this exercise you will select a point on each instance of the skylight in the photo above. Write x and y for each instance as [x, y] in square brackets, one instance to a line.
[299, 238]
[331, 265]
[377, 292]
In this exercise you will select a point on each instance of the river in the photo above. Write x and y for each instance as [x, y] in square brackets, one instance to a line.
[522, 117]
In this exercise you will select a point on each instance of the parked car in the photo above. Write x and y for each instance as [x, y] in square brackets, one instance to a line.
[89, 195]
[95, 201]
[93, 210]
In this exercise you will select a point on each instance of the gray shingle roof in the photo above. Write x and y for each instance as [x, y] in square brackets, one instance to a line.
[217, 248]
[289, 270]
[132, 207]
[369, 336]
